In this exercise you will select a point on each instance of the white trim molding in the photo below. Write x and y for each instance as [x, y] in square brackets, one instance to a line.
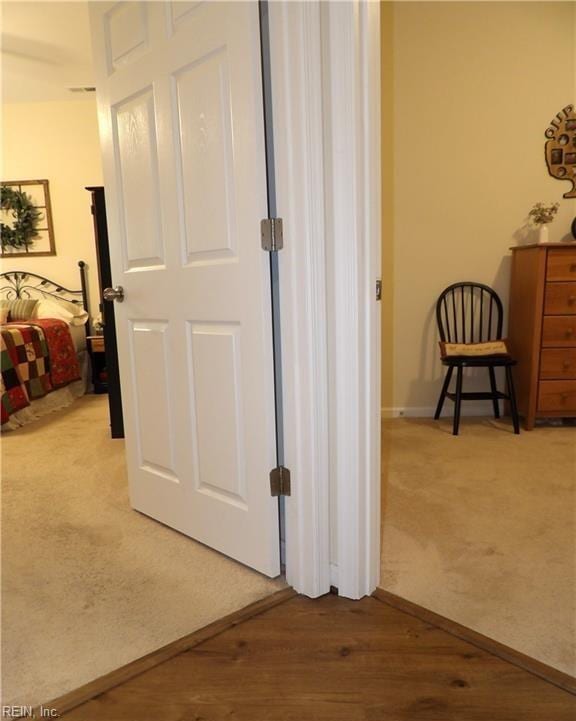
[351, 66]
[482, 409]
[325, 60]
[297, 114]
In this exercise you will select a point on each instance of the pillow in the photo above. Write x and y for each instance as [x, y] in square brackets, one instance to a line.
[61, 309]
[491, 347]
[19, 309]
[4, 315]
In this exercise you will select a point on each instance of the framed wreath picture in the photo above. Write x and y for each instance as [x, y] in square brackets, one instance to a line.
[26, 218]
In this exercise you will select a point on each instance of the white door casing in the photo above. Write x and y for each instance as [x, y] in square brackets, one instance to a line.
[180, 113]
[351, 34]
[296, 65]
[325, 59]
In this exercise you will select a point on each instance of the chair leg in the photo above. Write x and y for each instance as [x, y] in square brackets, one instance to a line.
[458, 403]
[512, 398]
[443, 392]
[494, 391]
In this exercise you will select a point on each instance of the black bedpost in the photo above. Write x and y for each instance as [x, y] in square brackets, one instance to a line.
[107, 310]
[84, 286]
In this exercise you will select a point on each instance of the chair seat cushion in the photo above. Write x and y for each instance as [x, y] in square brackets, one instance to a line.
[481, 361]
[474, 350]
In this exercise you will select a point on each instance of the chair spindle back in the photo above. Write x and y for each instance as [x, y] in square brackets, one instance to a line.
[469, 313]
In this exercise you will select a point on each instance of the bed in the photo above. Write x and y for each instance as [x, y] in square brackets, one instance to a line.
[45, 362]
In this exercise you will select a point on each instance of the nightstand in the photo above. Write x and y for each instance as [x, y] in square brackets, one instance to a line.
[97, 352]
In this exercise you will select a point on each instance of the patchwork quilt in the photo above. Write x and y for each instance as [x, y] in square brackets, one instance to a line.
[37, 357]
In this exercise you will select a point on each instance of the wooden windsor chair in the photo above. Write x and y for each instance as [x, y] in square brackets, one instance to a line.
[470, 320]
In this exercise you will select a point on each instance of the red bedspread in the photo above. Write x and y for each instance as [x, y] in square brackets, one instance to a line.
[37, 357]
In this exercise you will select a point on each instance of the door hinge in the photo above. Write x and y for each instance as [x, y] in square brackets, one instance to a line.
[378, 289]
[279, 481]
[271, 230]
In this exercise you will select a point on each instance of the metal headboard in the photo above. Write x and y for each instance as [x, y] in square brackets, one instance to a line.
[22, 284]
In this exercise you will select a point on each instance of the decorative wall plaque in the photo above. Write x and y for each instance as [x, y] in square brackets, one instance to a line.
[561, 148]
[26, 218]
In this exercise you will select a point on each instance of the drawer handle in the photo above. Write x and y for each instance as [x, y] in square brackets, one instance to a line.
[571, 299]
[570, 332]
[573, 267]
[564, 397]
[566, 364]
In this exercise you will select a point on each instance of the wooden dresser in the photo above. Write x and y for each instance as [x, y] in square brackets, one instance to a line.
[542, 329]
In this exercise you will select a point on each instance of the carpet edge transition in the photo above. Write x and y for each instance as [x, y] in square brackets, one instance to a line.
[81, 695]
[506, 653]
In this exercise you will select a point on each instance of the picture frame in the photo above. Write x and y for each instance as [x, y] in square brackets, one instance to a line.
[44, 244]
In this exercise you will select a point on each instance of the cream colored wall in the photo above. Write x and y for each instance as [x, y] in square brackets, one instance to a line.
[475, 86]
[57, 141]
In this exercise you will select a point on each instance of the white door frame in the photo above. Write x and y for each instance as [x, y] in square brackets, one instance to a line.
[297, 119]
[325, 60]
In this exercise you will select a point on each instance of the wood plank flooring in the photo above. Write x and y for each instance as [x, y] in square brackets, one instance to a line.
[332, 659]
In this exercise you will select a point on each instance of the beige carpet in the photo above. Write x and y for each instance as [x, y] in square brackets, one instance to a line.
[88, 584]
[481, 529]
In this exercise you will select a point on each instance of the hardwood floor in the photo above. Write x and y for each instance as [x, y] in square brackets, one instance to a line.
[332, 659]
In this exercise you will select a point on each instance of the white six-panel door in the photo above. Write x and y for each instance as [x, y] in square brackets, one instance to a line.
[180, 111]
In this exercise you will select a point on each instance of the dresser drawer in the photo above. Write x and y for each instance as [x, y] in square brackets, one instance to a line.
[561, 264]
[557, 396]
[558, 363]
[560, 298]
[559, 331]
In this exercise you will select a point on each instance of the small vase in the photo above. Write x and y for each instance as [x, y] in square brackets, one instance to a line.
[543, 234]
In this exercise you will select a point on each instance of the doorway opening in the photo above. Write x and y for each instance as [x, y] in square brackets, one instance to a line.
[478, 528]
[116, 584]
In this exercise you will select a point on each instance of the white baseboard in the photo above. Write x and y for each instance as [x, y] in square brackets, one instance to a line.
[483, 408]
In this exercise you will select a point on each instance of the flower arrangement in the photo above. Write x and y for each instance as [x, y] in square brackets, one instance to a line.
[542, 214]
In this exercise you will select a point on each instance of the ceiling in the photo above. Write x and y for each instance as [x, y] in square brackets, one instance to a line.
[45, 49]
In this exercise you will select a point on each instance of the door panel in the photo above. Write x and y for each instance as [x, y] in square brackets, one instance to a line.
[180, 109]
[155, 432]
[202, 96]
[180, 9]
[126, 33]
[135, 136]
[216, 360]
